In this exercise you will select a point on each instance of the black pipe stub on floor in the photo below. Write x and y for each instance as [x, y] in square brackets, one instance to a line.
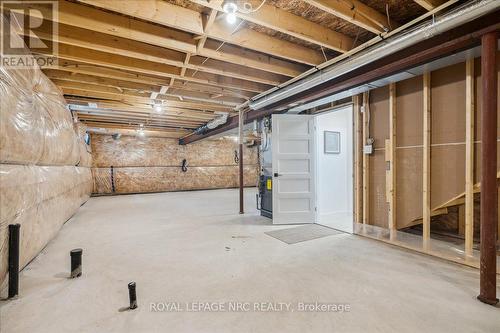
[76, 263]
[14, 241]
[132, 296]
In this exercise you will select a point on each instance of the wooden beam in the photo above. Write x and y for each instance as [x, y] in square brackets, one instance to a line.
[127, 98]
[76, 68]
[392, 156]
[430, 4]
[88, 39]
[247, 37]
[256, 60]
[208, 24]
[285, 22]
[155, 11]
[94, 19]
[149, 114]
[88, 56]
[122, 86]
[118, 126]
[95, 128]
[366, 161]
[358, 159]
[426, 174]
[469, 155]
[357, 13]
[136, 107]
[266, 44]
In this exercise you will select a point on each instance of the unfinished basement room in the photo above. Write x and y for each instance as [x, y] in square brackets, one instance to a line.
[264, 166]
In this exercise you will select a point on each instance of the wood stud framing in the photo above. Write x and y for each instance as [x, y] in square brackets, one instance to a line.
[469, 156]
[426, 174]
[185, 51]
[366, 160]
[358, 159]
[392, 157]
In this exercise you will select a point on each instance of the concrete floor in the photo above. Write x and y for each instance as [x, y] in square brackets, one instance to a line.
[192, 247]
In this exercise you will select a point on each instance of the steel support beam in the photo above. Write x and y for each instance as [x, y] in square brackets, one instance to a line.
[439, 46]
[489, 208]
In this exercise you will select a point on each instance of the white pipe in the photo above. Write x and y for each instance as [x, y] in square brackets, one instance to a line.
[465, 13]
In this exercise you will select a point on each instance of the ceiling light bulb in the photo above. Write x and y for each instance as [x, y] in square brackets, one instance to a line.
[229, 7]
[231, 18]
[158, 108]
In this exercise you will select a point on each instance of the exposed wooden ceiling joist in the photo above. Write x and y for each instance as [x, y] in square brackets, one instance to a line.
[356, 13]
[430, 4]
[73, 68]
[285, 22]
[140, 87]
[243, 37]
[96, 92]
[151, 113]
[135, 107]
[145, 95]
[89, 56]
[136, 119]
[149, 132]
[82, 16]
[121, 46]
[123, 86]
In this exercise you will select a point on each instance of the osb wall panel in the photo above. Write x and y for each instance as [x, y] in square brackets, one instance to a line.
[378, 205]
[154, 165]
[409, 130]
[448, 143]
[447, 173]
[478, 104]
[379, 130]
[409, 186]
[149, 151]
[164, 179]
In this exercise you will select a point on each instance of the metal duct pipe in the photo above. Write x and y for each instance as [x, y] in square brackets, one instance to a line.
[212, 124]
[462, 14]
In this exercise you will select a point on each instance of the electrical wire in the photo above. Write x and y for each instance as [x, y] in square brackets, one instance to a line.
[249, 8]
[388, 16]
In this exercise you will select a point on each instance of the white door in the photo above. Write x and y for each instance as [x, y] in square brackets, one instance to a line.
[334, 186]
[293, 169]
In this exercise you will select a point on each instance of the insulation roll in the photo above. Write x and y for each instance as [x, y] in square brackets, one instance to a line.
[36, 127]
[46, 198]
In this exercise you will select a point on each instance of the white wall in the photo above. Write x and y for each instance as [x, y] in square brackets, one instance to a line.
[335, 171]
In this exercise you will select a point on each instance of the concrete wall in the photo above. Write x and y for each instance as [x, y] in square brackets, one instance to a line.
[149, 164]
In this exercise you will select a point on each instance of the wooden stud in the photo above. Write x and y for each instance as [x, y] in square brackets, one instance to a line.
[358, 158]
[430, 4]
[426, 174]
[285, 22]
[392, 156]
[355, 12]
[469, 156]
[366, 161]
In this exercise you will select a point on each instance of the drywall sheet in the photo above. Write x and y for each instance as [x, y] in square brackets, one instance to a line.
[46, 197]
[163, 179]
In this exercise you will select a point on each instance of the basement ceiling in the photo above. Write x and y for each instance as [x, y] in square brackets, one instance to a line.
[172, 66]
